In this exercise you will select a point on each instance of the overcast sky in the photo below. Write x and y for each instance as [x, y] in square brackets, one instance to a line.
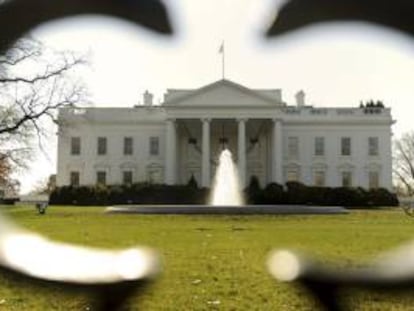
[335, 64]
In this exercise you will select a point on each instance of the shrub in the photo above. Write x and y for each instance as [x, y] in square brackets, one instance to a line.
[296, 193]
[273, 194]
[84, 196]
[253, 192]
[318, 195]
[192, 182]
[382, 197]
[347, 197]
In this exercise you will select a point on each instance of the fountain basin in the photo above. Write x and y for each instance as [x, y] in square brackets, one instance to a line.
[226, 210]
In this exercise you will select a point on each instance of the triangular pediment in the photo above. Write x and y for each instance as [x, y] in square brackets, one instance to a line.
[223, 93]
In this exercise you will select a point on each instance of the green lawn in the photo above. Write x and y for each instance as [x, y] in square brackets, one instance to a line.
[215, 262]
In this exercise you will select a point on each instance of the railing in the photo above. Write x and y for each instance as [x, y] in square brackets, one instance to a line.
[346, 111]
[340, 112]
[292, 110]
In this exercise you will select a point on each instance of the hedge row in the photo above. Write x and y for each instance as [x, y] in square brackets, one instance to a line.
[134, 194]
[297, 193]
[292, 193]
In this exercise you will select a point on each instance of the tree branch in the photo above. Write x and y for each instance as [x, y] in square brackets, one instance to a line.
[46, 76]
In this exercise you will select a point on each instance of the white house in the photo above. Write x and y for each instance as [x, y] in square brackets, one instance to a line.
[183, 137]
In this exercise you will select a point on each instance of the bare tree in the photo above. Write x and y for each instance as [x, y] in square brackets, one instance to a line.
[35, 81]
[9, 186]
[403, 162]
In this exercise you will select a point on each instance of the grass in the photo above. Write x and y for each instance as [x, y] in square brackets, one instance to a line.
[215, 262]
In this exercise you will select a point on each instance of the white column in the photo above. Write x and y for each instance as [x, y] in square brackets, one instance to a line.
[205, 157]
[170, 153]
[277, 152]
[241, 151]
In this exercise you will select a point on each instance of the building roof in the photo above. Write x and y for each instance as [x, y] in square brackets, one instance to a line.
[268, 97]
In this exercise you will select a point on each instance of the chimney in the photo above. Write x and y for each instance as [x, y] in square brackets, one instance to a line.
[300, 98]
[148, 98]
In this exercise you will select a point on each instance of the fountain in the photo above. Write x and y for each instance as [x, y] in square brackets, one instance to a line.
[226, 186]
[226, 198]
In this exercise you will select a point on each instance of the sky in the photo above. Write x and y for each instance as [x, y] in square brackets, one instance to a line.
[335, 64]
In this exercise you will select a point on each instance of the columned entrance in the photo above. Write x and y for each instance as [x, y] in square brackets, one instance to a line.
[219, 134]
[277, 151]
[205, 154]
[171, 153]
[256, 146]
[241, 151]
[221, 115]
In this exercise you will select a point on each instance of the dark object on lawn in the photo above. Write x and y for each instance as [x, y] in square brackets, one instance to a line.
[41, 208]
[392, 271]
[109, 276]
[19, 16]
[296, 14]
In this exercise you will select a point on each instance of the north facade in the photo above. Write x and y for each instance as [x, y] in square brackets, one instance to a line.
[182, 138]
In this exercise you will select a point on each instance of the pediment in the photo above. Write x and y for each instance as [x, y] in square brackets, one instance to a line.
[223, 93]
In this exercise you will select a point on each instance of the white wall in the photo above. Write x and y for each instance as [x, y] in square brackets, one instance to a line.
[359, 161]
[114, 162]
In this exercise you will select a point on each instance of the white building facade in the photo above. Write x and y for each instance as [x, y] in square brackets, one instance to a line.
[183, 137]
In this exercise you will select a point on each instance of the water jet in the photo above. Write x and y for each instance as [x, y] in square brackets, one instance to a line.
[226, 188]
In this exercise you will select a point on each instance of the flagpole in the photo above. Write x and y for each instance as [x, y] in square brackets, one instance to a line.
[221, 50]
[223, 61]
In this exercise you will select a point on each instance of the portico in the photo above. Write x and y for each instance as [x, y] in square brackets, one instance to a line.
[207, 121]
[193, 147]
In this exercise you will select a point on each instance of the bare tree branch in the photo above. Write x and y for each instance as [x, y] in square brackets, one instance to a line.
[403, 162]
[48, 74]
[29, 98]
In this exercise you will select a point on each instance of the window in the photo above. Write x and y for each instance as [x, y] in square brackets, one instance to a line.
[102, 145]
[75, 146]
[373, 179]
[319, 178]
[128, 146]
[293, 147]
[372, 146]
[292, 175]
[154, 146]
[74, 179]
[155, 173]
[346, 146]
[127, 177]
[346, 179]
[101, 178]
[319, 146]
